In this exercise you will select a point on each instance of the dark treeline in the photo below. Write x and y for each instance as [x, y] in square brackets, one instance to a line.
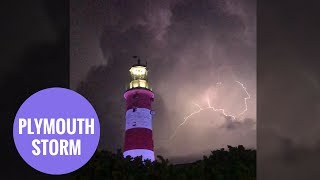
[236, 163]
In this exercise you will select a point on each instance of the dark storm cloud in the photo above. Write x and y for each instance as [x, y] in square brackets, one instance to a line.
[201, 137]
[233, 125]
[189, 46]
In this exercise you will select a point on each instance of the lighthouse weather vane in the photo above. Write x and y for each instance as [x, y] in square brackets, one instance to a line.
[139, 60]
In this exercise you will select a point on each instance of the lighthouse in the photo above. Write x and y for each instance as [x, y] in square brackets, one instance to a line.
[138, 129]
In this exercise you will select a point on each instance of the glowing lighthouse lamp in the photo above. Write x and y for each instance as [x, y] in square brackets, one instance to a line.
[139, 96]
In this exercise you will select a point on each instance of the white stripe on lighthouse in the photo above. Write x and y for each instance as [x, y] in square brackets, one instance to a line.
[145, 153]
[138, 118]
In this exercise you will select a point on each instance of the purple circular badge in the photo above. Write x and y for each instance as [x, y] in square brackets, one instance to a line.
[56, 131]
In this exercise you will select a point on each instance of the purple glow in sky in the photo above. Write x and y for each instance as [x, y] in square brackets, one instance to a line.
[190, 46]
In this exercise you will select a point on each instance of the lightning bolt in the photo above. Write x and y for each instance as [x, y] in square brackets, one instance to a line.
[210, 107]
[245, 99]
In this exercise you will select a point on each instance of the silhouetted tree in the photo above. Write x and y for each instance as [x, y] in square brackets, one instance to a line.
[236, 163]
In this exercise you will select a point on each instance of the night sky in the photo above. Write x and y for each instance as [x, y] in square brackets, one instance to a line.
[190, 46]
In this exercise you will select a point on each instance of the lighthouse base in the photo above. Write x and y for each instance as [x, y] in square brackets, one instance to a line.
[145, 153]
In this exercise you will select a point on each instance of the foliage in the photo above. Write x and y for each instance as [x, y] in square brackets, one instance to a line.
[236, 163]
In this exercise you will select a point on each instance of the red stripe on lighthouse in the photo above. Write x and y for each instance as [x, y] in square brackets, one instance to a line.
[139, 98]
[138, 138]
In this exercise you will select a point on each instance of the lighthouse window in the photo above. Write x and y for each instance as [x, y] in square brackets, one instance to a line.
[142, 84]
[135, 84]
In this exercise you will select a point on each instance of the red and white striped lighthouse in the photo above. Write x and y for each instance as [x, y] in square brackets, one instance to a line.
[139, 96]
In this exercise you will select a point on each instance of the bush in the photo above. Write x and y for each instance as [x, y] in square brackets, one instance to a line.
[235, 163]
